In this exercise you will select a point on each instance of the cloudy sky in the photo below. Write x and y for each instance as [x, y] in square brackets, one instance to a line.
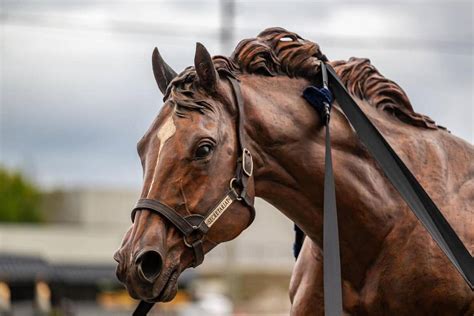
[77, 90]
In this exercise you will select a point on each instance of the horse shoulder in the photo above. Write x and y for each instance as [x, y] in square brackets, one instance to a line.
[444, 166]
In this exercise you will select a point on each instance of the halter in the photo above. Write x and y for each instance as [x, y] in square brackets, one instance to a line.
[195, 226]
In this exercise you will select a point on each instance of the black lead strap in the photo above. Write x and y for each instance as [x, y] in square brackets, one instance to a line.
[321, 99]
[405, 182]
[398, 174]
[143, 308]
[331, 257]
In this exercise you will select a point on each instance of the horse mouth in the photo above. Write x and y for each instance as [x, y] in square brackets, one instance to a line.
[169, 290]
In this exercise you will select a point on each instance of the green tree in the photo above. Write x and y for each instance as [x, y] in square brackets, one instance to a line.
[19, 198]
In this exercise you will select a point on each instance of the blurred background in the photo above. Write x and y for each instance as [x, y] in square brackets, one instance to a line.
[77, 92]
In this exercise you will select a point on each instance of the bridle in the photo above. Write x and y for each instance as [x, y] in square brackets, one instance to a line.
[195, 226]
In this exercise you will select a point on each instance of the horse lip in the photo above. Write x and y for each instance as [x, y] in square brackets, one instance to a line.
[172, 278]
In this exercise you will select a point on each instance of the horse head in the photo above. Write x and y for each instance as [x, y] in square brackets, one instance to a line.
[189, 157]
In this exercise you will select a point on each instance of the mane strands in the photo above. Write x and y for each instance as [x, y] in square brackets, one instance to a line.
[278, 52]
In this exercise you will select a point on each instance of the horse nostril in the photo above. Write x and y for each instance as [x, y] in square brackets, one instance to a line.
[149, 265]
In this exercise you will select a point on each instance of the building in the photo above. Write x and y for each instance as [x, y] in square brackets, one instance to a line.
[85, 227]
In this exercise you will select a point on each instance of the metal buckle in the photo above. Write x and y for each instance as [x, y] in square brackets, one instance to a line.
[231, 186]
[187, 243]
[190, 245]
[246, 155]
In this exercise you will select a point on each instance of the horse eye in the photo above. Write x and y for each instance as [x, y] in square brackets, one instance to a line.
[203, 151]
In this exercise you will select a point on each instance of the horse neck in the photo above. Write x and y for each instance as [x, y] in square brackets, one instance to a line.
[287, 141]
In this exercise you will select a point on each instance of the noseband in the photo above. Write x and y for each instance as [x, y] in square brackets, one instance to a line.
[195, 226]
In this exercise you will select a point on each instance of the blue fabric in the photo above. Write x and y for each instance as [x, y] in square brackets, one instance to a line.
[317, 97]
[299, 237]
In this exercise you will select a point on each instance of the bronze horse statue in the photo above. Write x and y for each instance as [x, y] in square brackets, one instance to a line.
[390, 264]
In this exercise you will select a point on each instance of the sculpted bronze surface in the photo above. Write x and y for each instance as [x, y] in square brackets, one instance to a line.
[390, 264]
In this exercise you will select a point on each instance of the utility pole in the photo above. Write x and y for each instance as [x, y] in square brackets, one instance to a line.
[226, 34]
[226, 39]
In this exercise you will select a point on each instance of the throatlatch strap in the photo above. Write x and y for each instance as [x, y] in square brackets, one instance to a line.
[405, 183]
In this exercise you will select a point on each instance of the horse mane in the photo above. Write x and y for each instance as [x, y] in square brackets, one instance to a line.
[363, 80]
[276, 51]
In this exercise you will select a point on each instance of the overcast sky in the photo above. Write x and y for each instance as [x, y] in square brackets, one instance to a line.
[77, 89]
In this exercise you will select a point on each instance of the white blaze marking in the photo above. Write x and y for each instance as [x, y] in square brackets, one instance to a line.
[165, 132]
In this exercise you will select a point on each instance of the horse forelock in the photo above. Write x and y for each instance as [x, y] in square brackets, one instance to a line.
[182, 94]
[276, 51]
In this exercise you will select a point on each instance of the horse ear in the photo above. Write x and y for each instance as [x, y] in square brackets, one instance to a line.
[205, 69]
[163, 73]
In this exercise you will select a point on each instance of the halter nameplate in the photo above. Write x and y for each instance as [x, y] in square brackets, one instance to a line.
[218, 211]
